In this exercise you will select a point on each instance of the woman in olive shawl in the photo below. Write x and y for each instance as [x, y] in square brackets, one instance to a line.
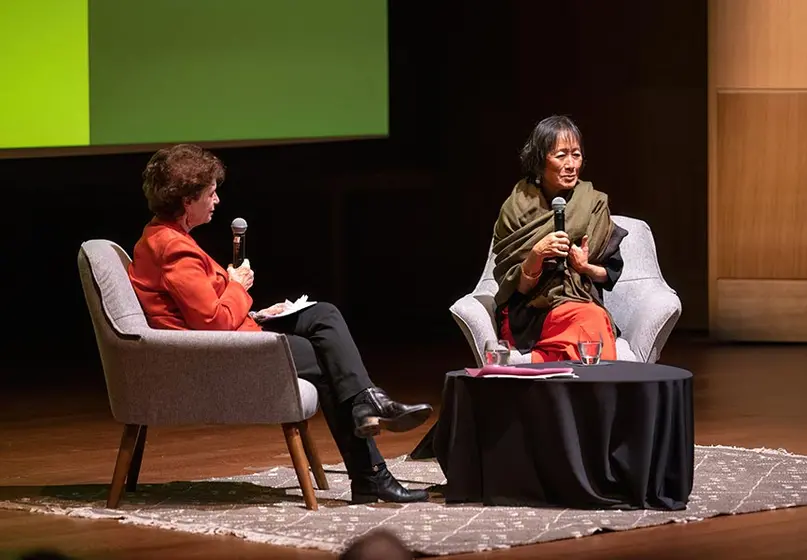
[551, 282]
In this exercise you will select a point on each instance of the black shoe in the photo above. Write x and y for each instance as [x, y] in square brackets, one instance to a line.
[368, 489]
[373, 409]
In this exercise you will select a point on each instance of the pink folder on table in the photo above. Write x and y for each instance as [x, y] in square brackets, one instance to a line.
[525, 372]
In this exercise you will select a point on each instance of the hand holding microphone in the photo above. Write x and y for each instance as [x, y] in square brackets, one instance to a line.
[555, 244]
[559, 216]
[243, 274]
[554, 247]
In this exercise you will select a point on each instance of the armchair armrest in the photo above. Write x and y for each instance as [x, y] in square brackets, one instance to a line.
[656, 312]
[169, 377]
[193, 341]
[475, 323]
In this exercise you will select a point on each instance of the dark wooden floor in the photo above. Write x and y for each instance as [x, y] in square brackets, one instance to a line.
[61, 433]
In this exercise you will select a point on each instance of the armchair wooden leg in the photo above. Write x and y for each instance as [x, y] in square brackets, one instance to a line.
[313, 457]
[127, 445]
[300, 462]
[137, 460]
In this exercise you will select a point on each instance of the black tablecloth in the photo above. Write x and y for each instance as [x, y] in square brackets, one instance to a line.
[620, 436]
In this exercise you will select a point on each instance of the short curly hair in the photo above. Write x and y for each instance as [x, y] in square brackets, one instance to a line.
[542, 141]
[177, 173]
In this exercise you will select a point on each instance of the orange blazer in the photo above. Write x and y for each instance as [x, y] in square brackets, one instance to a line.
[180, 287]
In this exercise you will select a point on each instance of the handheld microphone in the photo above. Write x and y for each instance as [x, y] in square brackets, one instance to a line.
[559, 212]
[239, 227]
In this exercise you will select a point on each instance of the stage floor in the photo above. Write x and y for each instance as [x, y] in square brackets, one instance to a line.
[61, 432]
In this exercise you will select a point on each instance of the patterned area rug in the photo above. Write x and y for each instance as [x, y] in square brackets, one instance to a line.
[267, 506]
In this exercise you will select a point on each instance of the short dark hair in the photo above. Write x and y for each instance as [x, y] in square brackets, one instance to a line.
[541, 142]
[176, 173]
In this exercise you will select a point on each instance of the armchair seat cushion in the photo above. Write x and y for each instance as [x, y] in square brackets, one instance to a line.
[623, 351]
[474, 325]
[308, 398]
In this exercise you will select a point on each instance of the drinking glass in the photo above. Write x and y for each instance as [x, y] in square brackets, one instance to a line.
[497, 352]
[590, 347]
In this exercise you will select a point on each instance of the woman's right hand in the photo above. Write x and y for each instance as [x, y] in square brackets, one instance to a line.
[555, 244]
[243, 274]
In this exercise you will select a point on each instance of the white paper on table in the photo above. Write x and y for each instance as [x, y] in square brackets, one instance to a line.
[291, 307]
[533, 377]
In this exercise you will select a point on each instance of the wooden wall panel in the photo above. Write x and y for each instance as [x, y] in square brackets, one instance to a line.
[762, 310]
[759, 43]
[761, 201]
[757, 146]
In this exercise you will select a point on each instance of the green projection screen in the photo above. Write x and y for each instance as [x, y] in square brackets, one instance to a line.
[44, 86]
[102, 73]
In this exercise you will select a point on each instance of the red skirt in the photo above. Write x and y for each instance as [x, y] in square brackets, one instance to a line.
[561, 331]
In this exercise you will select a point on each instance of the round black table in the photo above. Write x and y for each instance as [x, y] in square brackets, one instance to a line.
[620, 436]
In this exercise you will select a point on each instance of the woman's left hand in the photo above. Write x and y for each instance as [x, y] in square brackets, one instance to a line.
[274, 309]
[578, 256]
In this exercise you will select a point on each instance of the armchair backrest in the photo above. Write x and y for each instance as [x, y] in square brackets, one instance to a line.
[117, 318]
[110, 297]
[642, 297]
[486, 288]
[638, 250]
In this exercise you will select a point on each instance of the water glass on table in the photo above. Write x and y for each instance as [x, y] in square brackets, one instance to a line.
[497, 352]
[590, 347]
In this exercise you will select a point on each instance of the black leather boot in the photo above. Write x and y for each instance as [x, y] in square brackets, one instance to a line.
[373, 409]
[381, 485]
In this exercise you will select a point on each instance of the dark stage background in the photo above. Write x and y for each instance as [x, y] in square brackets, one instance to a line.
[395, 230]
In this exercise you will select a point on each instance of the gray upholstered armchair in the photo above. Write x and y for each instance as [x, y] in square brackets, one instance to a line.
[164, 377]
[644, 307]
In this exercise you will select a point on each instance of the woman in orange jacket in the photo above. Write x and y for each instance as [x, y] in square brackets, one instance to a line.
[181, 287]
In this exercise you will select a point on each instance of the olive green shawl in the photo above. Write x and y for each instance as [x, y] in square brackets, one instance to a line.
[525, 218]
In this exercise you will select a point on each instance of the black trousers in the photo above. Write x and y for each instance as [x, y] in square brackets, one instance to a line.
[325, 355]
